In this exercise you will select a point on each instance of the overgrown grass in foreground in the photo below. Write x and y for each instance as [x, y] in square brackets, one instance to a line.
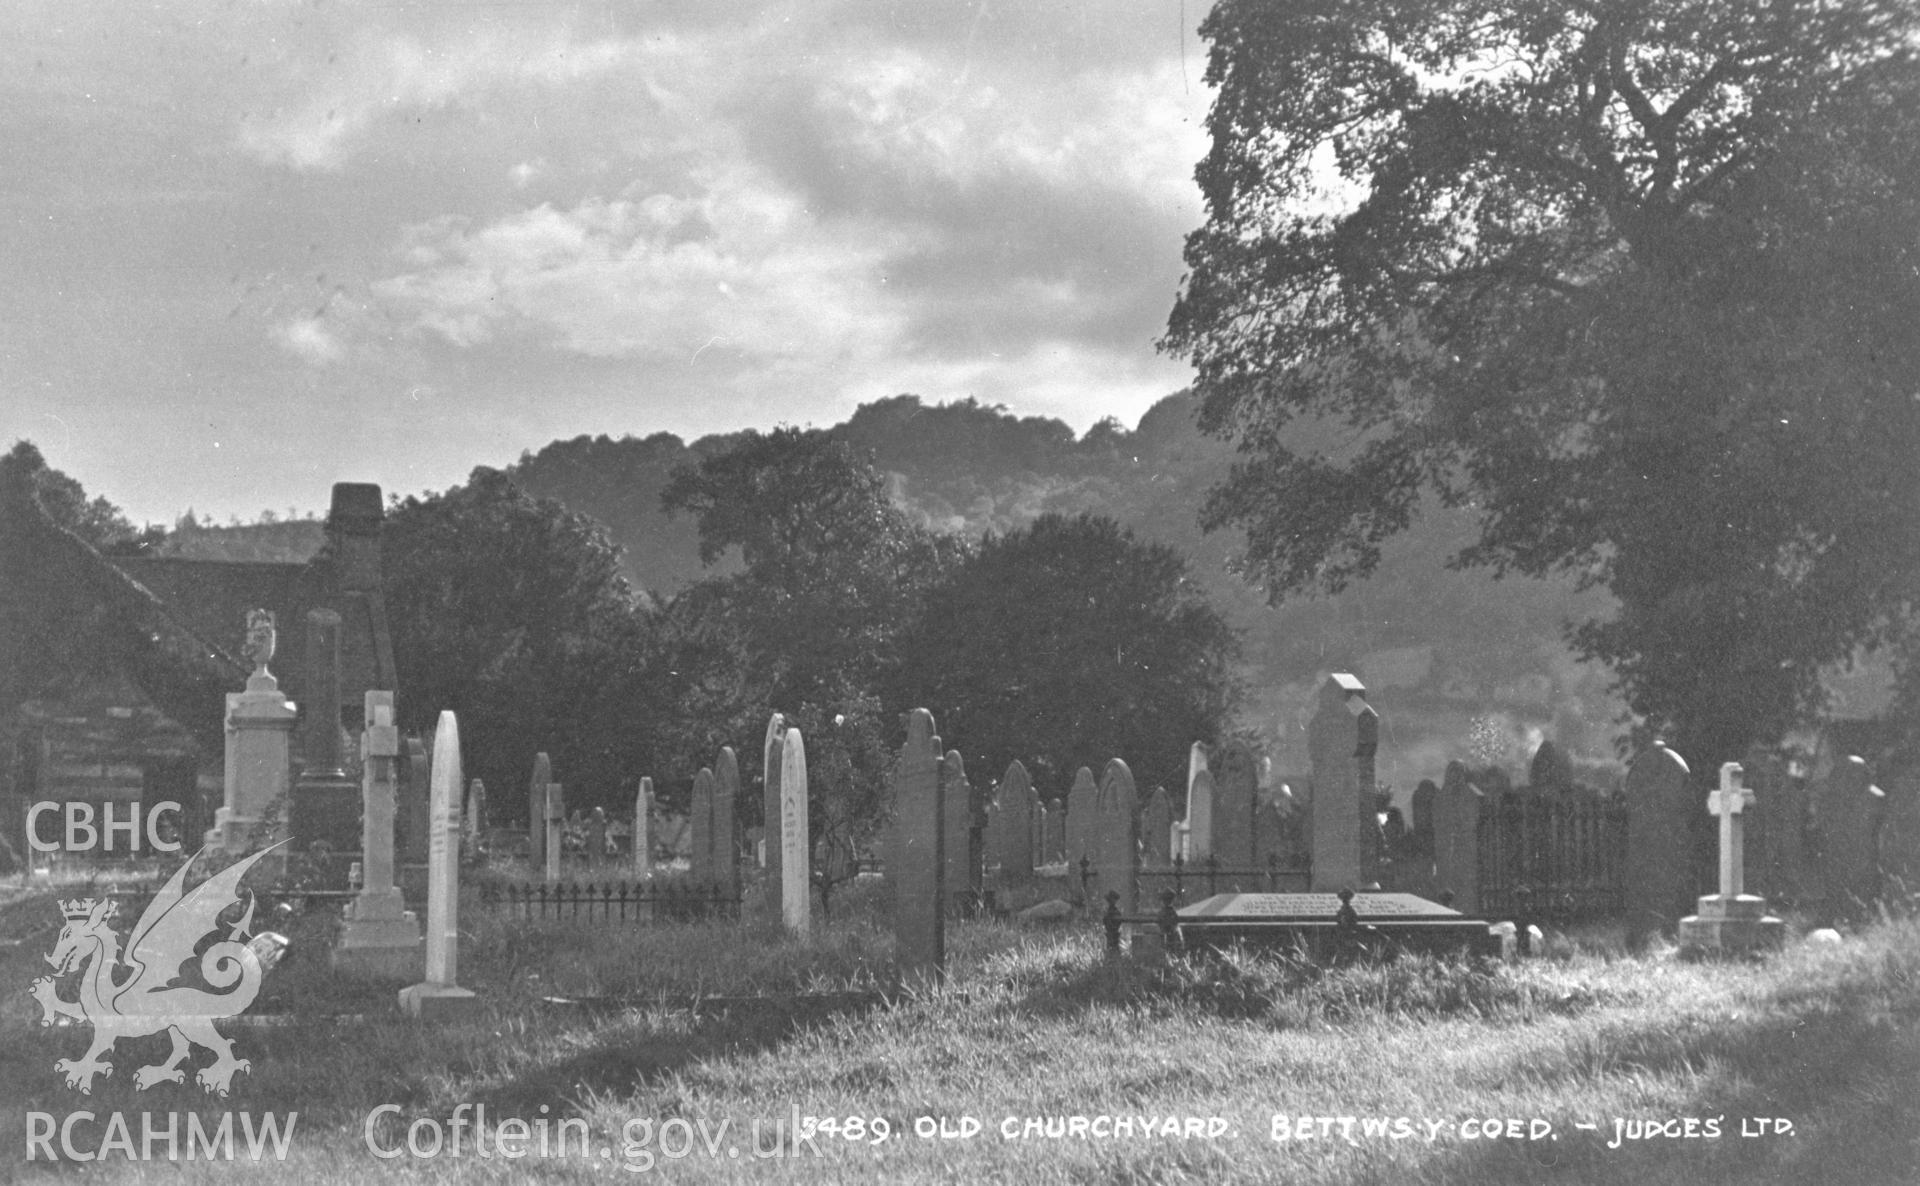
[1033, 1026]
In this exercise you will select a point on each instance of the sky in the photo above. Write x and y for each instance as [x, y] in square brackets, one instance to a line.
[255, 247]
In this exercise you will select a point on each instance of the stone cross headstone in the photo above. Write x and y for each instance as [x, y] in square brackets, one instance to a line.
[596, 837]
[1010, 834]
[537, 808]
[914, 863]
[1200, 797]
[440, 995]
[259, 761]
[1659, 866]
[1236, 787]
[956, 830]
[1341, 739]
[381, 937]
[796, 866]
[1729, 802]
[1848, 811]
[643, 830]
[1156, 830]
[1731, 920]
[555, 828]
[1044, 826]
[726, 799]
[1116, 840]
[1457, 806]
[700, 820]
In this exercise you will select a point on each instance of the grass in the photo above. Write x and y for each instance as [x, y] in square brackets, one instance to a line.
[1034, 1026]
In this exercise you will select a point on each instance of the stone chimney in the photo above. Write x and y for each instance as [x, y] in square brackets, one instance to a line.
[353, 535]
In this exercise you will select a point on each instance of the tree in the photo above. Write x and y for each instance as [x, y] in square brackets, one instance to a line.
[833, 569]
[1636, 282]
[511, 611]
[1067, 643]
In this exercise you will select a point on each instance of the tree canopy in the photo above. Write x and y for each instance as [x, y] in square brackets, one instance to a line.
[1066, 643]
[511, 611]
[1636, 282]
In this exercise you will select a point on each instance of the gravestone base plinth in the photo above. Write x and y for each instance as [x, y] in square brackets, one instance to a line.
[1731, 925]
[438, 1002]
[381, 940]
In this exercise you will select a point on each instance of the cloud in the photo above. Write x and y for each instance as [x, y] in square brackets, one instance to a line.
[736, 266]
[395, 75]
[309, 339]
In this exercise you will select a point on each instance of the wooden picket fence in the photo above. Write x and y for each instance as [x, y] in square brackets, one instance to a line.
[1557, 857]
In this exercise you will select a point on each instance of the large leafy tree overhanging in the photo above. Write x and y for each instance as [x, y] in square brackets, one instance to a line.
[1639, 282]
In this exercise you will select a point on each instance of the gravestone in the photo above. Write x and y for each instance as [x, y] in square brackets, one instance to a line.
[1551, 771]
[1235, 794]
[726, 799]
[1341, 739]
[537, 809]
[1200, 798]
[416, 803]
[643, 830]
[1081, 800]
[1424, 797]
[259, 761]
[770, 801]
[1659, 873]
[555, 828]
[919, 922]
[1269, 837]
[381, 937]
[1731, 920]
[1848, 811]
[1457, 806]
[1156, 830]
[1116, 841]
[796, 867]
[439, 996]
[1056, 831]
[596, 837]
[956, 830]
[700, 820]
[326, 798]
[1010, 834]
[1781, 868]
[476, 815]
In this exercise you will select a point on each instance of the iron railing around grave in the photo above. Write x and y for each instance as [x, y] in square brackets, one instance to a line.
[1207, 877]
[611, 901]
